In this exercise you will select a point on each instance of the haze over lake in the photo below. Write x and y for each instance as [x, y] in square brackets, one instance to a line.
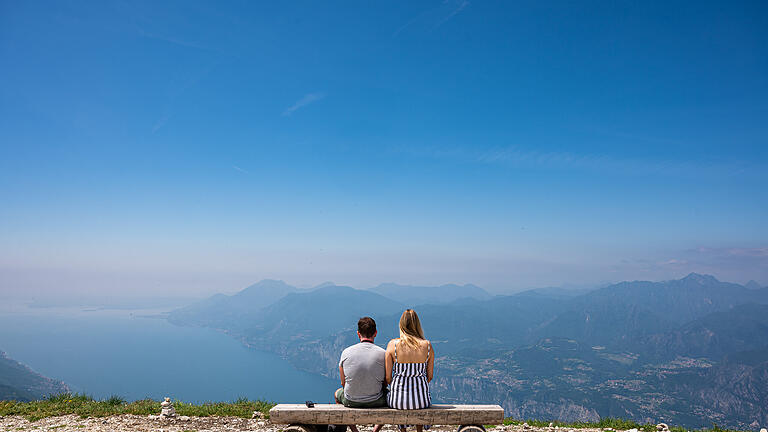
[103, 353]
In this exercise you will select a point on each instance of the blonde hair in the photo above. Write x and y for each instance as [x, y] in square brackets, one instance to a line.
[410, 328]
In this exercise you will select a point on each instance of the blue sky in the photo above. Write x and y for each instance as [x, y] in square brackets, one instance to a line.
[192, 147]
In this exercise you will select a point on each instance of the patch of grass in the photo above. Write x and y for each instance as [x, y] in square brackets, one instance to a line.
[114, 400]
[85, 406]
[240, 408]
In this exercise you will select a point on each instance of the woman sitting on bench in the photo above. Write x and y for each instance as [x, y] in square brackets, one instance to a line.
[410, 361]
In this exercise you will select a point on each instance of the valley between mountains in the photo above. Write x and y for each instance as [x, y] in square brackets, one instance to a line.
[692, 351]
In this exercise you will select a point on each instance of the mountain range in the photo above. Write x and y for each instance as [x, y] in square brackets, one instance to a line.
[692, 351]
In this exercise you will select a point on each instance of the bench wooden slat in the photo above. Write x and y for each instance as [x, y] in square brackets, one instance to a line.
[339, 414]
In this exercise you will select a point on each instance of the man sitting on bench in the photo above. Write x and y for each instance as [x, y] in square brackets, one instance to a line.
[362, 369]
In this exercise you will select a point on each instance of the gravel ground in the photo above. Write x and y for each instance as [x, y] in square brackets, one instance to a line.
[134, 423]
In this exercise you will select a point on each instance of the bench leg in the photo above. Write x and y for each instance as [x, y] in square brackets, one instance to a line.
[471, 428]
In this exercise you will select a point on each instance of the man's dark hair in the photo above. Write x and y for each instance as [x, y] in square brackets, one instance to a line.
[367, 327]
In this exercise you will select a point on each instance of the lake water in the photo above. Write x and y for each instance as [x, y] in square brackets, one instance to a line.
[104, 353]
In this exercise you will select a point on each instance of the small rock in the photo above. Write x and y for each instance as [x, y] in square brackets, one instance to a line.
[257, 415]
[184, 418]
[551, 424]
[662, 427]
[763, 430]
[633, 430]
[261, 423]
[526, 426]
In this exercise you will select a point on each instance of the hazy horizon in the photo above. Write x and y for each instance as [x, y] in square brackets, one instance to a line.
[159, 299]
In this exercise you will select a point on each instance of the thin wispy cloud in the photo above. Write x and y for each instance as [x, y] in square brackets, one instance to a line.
[178, 87]
[308, 99]
[756, 253]
[406, 25]
[237, 168]
[456, 7]
[435, 16]
[160, 123]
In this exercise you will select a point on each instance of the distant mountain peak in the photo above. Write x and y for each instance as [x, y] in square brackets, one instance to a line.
[264, 285]
[700, 278]
[271, 282]
[323, 285]
[752, 285]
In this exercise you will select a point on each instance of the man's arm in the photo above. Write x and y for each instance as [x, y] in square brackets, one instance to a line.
[341, 366]
[388, 362]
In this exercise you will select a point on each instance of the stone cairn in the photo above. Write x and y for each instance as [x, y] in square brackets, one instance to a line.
[168, 412]
[167, 409]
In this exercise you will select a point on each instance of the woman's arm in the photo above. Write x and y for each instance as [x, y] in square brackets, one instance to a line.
[389, 361]
[430, 362]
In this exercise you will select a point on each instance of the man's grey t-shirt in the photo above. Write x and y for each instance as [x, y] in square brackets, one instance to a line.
[364, 371]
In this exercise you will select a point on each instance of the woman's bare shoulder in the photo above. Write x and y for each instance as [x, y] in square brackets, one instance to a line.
[392, 343]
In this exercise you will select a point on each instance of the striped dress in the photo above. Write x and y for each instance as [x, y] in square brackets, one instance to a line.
[409, 388]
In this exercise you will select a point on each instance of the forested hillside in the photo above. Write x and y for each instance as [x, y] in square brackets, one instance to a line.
[19, 382]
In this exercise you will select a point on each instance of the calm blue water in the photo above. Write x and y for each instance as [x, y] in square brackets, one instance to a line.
[115, 352]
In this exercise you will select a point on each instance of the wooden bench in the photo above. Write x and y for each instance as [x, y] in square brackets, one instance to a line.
[470, 418]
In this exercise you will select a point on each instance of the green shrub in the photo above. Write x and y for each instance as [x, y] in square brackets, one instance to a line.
[114, 400]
